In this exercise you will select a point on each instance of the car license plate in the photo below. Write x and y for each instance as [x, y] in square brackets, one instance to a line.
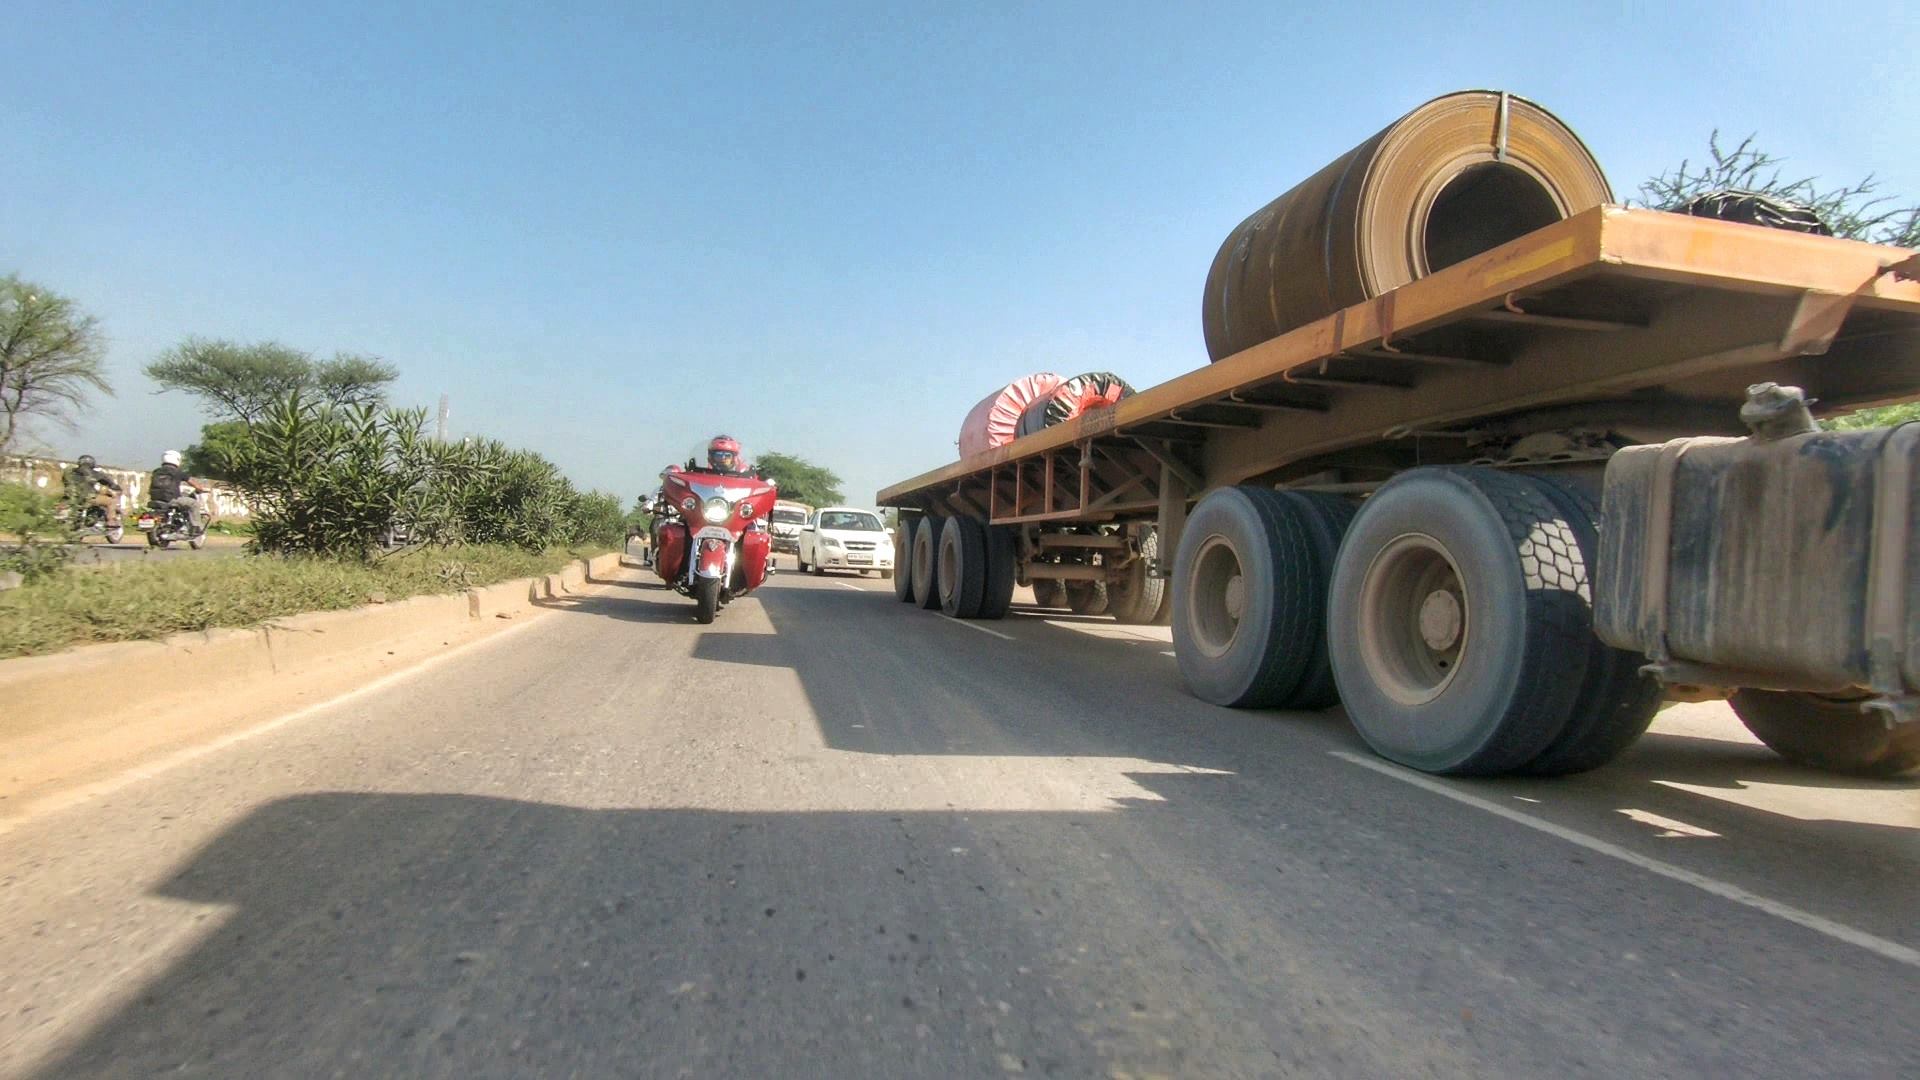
[858, 560]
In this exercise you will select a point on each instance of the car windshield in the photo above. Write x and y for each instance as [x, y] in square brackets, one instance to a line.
[790, 517]
[854, 520]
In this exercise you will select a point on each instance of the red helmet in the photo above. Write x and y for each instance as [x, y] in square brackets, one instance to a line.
[723, 453]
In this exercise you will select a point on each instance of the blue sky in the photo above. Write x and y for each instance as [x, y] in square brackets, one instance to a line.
[608, 232]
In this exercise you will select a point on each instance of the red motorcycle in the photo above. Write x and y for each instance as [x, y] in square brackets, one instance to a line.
[719, 548]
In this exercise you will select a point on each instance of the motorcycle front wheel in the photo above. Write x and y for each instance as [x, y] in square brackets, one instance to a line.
[706, 599]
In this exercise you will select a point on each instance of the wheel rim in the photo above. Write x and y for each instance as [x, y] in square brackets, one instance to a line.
[1218, 584]
[1415, 619]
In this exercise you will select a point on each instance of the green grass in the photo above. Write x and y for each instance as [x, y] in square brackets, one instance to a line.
[144, 601]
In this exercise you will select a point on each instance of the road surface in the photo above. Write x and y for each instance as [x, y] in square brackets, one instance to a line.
[831, 835]
[136, 549]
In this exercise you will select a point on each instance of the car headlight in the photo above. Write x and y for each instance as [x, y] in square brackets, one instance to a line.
[828, 541]
[716, 509]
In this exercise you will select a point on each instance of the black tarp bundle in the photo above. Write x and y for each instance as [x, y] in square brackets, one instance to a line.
[1093, 390]
[1753, 208]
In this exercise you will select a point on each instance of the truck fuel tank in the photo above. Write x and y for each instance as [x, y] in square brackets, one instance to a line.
[1785, 560]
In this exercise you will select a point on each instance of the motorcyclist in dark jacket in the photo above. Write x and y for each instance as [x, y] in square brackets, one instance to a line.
[82, 484]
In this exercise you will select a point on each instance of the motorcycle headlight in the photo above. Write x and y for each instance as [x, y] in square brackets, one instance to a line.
[746, 509]
[716, 509]
[689, 504]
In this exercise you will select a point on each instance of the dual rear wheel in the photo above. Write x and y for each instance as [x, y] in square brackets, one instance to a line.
[960, 566]
[1451, 614]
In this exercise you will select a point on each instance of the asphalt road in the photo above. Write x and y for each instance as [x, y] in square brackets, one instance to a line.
[97, 552]
[832, 835]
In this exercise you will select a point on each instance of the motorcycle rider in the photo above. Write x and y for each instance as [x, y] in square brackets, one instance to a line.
[83, 483]
[723, 456]
[170, 487]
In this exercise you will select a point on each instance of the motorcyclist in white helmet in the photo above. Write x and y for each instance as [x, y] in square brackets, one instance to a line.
[169, 486]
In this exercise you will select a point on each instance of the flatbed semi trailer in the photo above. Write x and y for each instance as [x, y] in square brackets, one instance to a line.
[1399, 506]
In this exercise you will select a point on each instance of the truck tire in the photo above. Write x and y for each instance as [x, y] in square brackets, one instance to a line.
[1326, 518]
[903, 560]
[1002, 558]
[1136, 597]
[1087, 597]
[963, 567]
[1049, 593]
[1458, 633]
[1616, 702]
[1249, 596]
[926, 549]
[1829, 732]
[1164, 616]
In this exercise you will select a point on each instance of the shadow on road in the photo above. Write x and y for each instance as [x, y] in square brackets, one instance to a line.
[455, 935]
[885, 678]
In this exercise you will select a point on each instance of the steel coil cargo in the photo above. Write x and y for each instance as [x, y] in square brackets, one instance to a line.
[995, 421]
[1460, 175]
[1093, 390]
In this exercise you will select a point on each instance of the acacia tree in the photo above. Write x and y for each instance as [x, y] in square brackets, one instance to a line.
[241, 382]
[801, 480]
[51, 356]
[1855, 211]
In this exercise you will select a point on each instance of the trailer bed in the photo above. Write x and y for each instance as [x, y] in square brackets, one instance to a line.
[1615, 318]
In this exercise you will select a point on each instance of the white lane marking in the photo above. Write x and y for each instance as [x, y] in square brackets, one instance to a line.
[977, 626]
[1669, 828]
[1892, 950]
[88, 792]
[849, 585]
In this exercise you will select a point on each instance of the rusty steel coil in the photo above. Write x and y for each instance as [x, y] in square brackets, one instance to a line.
[1460, 175]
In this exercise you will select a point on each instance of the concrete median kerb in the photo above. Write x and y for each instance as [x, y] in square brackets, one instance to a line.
[197, 685]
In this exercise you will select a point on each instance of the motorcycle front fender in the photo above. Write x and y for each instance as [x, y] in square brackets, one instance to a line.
[712, 560]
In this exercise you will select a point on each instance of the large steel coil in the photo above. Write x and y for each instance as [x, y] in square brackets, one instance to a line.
[1457, 176]
[995, 421]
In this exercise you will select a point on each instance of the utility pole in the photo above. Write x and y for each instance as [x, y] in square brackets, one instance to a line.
[440, 426]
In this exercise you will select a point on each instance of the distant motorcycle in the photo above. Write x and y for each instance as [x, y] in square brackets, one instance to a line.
[166, 524]
[719, 548]
[92, 521]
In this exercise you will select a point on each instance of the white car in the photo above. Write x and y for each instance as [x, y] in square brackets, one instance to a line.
[846, 538]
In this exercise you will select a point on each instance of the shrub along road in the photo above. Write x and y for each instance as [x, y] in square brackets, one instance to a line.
[833, 835]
